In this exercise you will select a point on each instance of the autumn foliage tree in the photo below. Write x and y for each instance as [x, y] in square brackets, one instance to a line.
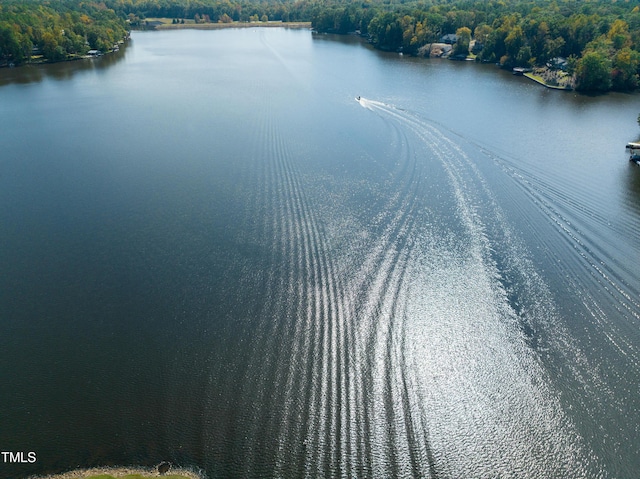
[462, 43]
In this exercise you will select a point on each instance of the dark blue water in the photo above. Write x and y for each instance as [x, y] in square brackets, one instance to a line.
[211, 254]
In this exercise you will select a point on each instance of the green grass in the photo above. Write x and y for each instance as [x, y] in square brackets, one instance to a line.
[168, 21]
[537, 78]
[540, 80]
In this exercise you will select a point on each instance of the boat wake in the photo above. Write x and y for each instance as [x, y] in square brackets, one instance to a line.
[371, 104]
[476, 288]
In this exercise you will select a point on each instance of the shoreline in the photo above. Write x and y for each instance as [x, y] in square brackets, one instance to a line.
[122, 473]
[39, 59]
[158, 24]
[540, 81]
[162, 24]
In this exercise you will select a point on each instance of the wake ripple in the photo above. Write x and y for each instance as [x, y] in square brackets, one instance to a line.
[412, 352]
[516, 303]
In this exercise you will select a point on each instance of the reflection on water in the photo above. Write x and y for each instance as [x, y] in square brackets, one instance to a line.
[27, 73]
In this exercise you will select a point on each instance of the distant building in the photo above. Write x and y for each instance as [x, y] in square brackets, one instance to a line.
[558, 63]
[449, 38]
[152, 24]
[94, 53]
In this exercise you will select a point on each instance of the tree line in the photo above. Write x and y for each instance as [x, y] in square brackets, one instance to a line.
[56, 30]
[600, 38]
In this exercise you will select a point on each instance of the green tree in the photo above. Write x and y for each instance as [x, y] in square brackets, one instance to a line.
[14, 47]
[624, 74]
[386, 31]
[593, 72]
[482, 32]
[524, 56]
[51, 48]
[619, 34]
[462, 44]
[514, 41]
[552, 48]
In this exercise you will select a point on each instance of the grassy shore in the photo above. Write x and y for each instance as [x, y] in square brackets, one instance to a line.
[167, 24]
[123, 473]
[564, 84]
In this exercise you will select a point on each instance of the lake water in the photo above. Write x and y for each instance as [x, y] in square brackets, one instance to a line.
[211, 254]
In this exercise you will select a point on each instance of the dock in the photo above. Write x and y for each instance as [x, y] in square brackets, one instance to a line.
[634, 149]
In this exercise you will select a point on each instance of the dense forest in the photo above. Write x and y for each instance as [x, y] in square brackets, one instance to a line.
[597, 41]
[56, 30]
[600, 39]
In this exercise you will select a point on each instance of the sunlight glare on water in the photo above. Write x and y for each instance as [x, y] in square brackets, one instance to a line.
[480, 393]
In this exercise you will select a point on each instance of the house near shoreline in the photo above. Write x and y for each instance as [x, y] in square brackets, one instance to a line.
[449, 38]
[558, 63]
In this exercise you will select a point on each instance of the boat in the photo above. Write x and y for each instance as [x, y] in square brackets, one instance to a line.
[634, 148]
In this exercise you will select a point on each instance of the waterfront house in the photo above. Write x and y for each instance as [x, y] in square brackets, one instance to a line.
[449, 38]
[558, 63]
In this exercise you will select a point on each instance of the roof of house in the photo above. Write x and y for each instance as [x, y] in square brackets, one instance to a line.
[449, 38]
